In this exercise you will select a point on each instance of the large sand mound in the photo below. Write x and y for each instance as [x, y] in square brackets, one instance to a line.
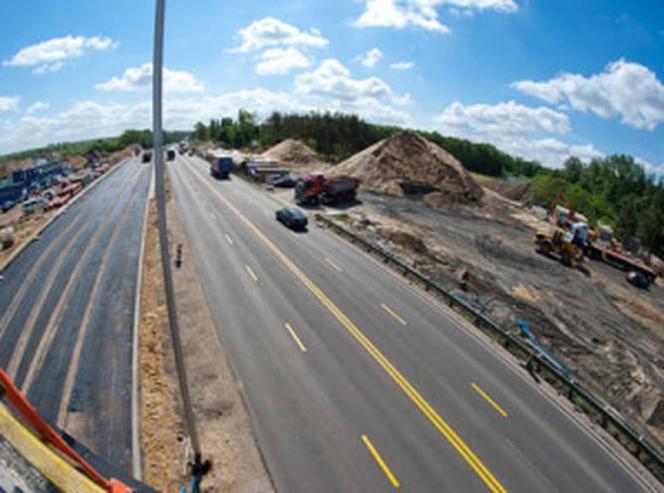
[406, 164]
[294, 154]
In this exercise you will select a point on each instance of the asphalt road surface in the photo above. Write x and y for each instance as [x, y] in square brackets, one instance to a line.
[67, 311]
[354, 380]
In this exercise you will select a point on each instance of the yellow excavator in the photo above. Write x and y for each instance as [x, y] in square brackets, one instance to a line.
[560, 245]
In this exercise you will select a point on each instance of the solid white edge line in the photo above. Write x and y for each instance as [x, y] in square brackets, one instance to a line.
[137, 462]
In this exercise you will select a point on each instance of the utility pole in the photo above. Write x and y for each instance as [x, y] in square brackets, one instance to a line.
[198, 468]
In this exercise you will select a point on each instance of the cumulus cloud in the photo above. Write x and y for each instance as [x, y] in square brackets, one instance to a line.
[402, 65]
[332, 80]
[140, 78]
[503, 118]
[625, 89]
[51, 55]
[514, 128]
[9, 103]
[37, 107]
[93, 119]
[331, 87]
[279, 61]
[371, 57]
[270, 32]
[422, 13]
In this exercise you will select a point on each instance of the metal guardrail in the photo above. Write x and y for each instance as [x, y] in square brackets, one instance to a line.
[633, 439]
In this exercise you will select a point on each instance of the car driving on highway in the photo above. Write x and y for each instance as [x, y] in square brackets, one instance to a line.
[293, 218]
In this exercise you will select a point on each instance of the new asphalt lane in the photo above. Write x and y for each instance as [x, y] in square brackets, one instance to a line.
[67, 311]
[354, 380]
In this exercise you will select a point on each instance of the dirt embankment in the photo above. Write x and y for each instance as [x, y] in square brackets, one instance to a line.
[161, 426]
[408, 164]
[609, 333]
[295, 155]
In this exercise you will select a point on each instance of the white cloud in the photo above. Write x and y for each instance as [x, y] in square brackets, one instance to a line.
[37, 107]
[422, 13]
[279, 61]
[269, 31]
[514, 128]
[92, 119]
[50, 55]
[331, 87]
[371, 57]
[624, 89]
[9, 103]
[503, 118]
[332, 80]
[140, 78]
[402, 65]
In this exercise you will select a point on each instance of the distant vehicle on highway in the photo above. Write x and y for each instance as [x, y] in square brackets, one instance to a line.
[286, 181]
[170, 154]
[293, 218]
[221, 167]
[146, 157]
[32, 205]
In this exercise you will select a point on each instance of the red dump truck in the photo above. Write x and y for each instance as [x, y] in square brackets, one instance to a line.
[316, 189]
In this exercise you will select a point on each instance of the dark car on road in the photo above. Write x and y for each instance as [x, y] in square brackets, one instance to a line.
[292, 217]
[286, 181]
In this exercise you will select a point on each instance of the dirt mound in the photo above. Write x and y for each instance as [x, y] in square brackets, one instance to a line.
[521, 191]
[408, 164]
[294, 154]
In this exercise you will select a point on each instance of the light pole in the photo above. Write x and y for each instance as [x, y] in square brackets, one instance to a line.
[198, 467]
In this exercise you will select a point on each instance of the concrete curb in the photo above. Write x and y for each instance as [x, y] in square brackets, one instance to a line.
[137, 462]
[59, 212]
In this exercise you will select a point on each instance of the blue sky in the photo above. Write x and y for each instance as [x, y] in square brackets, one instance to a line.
[538, 79]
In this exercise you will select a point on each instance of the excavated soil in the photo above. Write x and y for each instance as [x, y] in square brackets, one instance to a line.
[295, 155]
[161, 426]
[608, 332]
[408, 164]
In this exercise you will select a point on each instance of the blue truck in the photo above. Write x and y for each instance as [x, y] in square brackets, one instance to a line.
[221, 167]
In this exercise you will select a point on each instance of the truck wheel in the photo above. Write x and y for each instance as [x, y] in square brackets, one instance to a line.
[544, 248]
[566, 259]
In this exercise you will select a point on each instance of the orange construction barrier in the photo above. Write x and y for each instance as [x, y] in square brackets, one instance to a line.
[10, 393]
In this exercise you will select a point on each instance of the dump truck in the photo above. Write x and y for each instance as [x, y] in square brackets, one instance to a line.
[316, 189]
[221, 167]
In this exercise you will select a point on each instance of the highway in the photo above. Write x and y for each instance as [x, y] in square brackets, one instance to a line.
[67, 312]
[357, 382]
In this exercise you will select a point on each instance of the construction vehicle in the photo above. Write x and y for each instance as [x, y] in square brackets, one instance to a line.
[605, 248]
[221, 167]
[316, 189]
[559, 244]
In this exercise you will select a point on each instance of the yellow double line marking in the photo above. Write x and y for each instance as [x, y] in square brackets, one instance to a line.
[295, 337]
[381, 463]
[422, 404]
[393, 314]
[487, 398]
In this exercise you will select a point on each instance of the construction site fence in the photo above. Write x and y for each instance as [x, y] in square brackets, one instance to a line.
[630, 436]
